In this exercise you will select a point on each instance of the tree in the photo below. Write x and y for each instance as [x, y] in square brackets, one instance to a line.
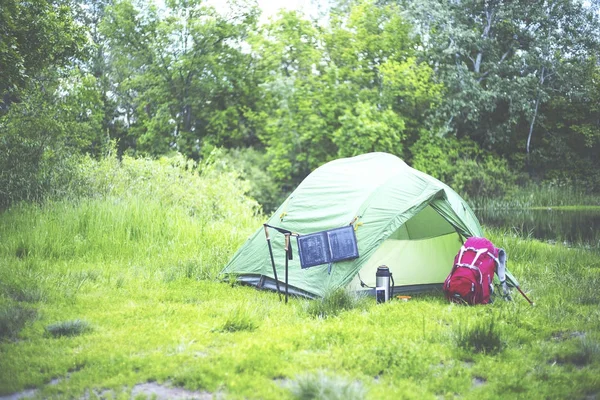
[42, 135]
[35, 35]
[182, 78]
[350, 87]
[500, 60]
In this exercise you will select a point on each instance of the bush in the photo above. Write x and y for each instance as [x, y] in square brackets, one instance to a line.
[187, 218]
[461, 164]
[40, 145]
[252, 166]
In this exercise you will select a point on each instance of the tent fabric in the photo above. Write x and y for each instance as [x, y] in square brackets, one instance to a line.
[399, 214]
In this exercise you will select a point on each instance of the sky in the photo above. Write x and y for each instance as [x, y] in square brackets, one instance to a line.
[271, 7]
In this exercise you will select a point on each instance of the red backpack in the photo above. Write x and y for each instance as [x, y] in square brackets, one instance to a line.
[472, 276]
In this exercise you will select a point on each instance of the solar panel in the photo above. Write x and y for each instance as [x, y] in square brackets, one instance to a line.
[326, 247]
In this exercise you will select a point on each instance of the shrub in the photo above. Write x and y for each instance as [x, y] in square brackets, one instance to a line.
[252, 166]
[460, 163]
[186, 218]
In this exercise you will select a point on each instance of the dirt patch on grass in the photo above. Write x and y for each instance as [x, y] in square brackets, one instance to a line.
[19, 395]
[478, 381]
[159, 392]
[150, 390]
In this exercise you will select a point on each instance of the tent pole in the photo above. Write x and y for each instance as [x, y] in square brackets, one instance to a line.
[287, 246]
[272, 260]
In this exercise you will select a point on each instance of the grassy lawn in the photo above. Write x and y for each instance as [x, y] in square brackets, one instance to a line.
[105, 297]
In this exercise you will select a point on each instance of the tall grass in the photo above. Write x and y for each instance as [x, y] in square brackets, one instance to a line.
[539, 195]
[171, 214]
[119, 222]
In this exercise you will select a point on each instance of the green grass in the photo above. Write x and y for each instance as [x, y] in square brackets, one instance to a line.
[141, 270]
[320, 386]
[13, 318]
[68, 328]
[335, 302]
[481, 337]
[541, 196]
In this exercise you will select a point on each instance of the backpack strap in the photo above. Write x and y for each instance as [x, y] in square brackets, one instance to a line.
[471, 265]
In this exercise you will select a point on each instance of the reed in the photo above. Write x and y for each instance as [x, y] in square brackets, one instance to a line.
[539, 195]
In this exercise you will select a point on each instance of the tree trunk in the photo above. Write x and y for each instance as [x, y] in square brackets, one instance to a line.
[535, 111]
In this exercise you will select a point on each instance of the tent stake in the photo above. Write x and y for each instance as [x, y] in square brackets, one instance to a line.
[272, 260]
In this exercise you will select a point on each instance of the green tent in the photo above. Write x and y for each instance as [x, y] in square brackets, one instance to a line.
[402, 218]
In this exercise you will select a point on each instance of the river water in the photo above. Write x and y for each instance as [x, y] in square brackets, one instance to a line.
[572, 227]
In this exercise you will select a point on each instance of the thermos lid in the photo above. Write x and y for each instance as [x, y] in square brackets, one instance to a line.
[383, 270]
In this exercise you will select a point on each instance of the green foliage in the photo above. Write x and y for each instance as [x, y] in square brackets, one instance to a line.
[321, 386]
[68, 328]
[42, 139]
[514, 83]
[571, 134]
[341, 90]
[380, 76]
[35, 36]
[36, 149]
[180, 75]
[461, 164]
[252, 166]
[365, 129]
[496, 59]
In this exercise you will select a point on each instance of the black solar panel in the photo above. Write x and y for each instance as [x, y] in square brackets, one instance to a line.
[326, 247]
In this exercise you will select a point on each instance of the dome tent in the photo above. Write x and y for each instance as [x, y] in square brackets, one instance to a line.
[402, 218]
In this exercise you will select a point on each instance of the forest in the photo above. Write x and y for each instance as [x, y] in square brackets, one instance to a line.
[487, 96]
